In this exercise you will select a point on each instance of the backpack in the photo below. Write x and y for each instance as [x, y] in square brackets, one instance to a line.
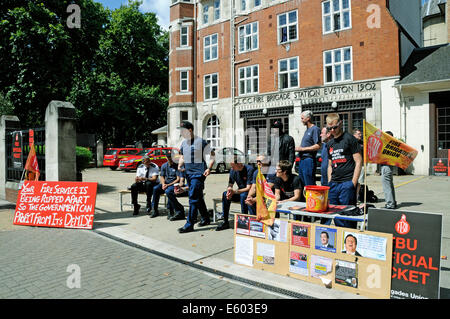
[370, 195]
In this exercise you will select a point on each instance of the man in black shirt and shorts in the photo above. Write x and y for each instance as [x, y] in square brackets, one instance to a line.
[344, 167]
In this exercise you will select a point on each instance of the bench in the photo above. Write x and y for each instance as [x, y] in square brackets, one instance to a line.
[128, 203]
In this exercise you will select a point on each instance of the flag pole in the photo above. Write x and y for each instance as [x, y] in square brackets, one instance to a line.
[365, 173]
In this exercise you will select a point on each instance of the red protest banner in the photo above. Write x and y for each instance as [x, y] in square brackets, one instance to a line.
[56, 204]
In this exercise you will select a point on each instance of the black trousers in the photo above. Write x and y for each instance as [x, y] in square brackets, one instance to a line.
[146, 187]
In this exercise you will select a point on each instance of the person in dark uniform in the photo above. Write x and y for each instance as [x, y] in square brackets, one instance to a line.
[241, 175]
[168, 178]
[308, 149]
[193, 151]
[146, 179]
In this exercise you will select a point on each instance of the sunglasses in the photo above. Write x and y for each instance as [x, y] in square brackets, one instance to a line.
[329, 128]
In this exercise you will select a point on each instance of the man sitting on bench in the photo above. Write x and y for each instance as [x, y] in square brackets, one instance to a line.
[146, 178]
[168, 178]
[241, 175]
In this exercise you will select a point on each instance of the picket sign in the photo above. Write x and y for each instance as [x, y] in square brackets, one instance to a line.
[56, 204]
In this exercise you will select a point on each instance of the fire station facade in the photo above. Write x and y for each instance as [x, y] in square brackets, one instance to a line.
[236, 66]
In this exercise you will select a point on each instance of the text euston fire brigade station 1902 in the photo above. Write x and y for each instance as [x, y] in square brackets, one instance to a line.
[309, 93]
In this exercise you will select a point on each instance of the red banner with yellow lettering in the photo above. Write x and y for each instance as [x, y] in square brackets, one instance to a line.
[266, 203]
[381, 148]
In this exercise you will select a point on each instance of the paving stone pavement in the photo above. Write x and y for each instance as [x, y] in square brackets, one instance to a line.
[43, 263]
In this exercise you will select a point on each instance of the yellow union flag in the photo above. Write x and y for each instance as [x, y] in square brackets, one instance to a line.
[381, 148]
[266, 203]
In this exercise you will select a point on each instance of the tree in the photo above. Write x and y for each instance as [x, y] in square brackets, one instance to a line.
[113, 69]
[39, 54]
[125, 93]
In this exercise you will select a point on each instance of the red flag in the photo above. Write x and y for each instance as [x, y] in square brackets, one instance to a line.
[32, 164]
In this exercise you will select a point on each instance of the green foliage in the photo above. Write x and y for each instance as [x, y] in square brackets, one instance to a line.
[83, 158]
[6, 106]
[114, 69]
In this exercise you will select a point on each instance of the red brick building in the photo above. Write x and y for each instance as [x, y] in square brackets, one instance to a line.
[238, 65]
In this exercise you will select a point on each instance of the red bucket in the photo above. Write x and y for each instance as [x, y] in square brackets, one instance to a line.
[316, 198]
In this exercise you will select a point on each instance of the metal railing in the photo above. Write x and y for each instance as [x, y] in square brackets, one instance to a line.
[15, 174]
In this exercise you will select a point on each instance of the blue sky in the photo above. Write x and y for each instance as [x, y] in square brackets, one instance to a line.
[160, 7]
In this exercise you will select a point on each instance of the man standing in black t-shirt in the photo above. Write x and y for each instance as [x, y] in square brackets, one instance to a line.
[344, 167]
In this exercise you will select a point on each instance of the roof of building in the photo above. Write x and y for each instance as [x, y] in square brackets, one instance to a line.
[427, 65]
[432, 8]
[161, 130]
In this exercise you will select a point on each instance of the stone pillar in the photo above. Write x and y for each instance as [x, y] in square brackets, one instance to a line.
[7, 122]
[60, 142]
[100, 153]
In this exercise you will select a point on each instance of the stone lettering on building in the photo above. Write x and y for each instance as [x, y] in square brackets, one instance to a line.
[320, 92]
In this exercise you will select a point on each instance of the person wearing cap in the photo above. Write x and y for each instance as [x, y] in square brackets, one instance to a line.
[168, 178]
[193, 151]
[280, 144]
[146, 179]
[240, 174]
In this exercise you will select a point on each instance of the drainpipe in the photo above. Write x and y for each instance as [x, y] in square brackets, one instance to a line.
[402, 113]
[194, 64]
[232, 71]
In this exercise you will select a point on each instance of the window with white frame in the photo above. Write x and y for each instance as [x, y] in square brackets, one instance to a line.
[248, 37]
[211, 86]
[336, 15]
[210, 47]
[213, 131]
[216, 9]
[243, 5]
[184, 36]
[184, 81]
[248, 80]
[256, 3]
[288, 73]
[287, 27]
[205, 13]
[338, 65]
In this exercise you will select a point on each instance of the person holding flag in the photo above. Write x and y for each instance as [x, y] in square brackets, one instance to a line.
[387, 181]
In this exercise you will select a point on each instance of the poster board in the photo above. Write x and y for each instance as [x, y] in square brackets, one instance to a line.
[439, 166]
[260, 246]
[317, 253]
[17, 153]
[416, 251]
[56, 204]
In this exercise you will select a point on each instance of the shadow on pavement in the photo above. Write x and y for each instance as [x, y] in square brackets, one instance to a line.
[99, 225]
[408, 204]
[102, 189]
[444, 293]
